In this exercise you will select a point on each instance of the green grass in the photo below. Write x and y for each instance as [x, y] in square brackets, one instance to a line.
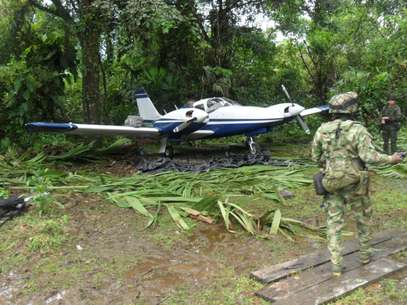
[30, 235]
[388, 291]
[227, 289]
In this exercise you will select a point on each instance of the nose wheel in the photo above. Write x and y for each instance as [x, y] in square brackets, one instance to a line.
[252, 145]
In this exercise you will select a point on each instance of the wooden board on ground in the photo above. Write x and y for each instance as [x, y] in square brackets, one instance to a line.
[294, 287]
[280, 271]
[334, 288]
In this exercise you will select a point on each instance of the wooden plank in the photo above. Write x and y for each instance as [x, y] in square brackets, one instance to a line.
[279, 271]
[315, 276]
[335, 288]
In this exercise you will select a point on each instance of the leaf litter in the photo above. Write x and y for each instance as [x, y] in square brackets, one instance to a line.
[206, 196]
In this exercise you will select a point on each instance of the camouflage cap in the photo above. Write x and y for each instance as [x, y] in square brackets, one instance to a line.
[344, 103]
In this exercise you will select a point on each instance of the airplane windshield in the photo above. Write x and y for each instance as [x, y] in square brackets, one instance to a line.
[216, 103]
[232, 102]
[211, 104]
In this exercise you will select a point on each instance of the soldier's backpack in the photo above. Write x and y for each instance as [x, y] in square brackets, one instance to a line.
[341, 169]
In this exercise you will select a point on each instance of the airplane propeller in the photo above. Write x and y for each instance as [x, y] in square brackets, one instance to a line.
[183, 125]
[303, 125]
[298, 117]
[199, 117]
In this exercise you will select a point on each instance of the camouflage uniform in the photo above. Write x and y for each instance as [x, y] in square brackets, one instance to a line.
[391, 128]
[341, 148]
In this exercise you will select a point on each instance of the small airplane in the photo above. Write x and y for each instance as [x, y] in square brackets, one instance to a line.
[207, 118]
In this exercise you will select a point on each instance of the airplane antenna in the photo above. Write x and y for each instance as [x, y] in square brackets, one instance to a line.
[287, 95]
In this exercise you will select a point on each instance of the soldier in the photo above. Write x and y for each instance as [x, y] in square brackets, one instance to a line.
[391, 115]
[342, 147]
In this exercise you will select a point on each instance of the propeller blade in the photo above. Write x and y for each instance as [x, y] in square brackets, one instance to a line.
[287, 94]
[183, 125]
[303, 124]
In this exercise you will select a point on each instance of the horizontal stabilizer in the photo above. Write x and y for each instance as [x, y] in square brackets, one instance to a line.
[314, 110]
[93, 129]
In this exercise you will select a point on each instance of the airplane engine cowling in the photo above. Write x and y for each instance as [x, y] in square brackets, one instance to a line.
[182, 121]
[192, 116]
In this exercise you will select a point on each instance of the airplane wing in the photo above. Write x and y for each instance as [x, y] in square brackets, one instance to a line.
[314, 110]
[93, 129]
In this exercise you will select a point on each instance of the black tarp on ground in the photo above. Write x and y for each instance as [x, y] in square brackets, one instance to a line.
[205, 161]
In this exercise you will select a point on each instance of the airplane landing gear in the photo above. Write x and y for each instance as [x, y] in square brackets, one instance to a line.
[166, 150]
[251, 144]
[169, 152]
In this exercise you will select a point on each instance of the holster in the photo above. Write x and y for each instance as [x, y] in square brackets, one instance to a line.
[319, 187]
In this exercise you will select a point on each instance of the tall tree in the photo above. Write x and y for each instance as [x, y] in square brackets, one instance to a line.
[82, 16]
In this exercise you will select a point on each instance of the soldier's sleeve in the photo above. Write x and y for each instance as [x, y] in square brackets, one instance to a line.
[397, 114]
[382, 112]
[316, 149]
[366, 150]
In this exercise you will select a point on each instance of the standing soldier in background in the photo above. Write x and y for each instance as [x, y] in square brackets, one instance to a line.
[391, 116]
[342, 147]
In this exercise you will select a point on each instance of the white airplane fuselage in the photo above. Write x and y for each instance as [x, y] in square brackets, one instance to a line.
[230, 120]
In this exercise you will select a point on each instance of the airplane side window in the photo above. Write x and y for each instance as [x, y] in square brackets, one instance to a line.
[211, 103]
[214, 107]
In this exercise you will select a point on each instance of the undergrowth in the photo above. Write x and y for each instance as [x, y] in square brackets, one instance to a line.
[207, 197]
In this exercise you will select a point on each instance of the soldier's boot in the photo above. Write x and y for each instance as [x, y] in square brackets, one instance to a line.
[386, 143]
[337, 270]
[393, 140]
[365, 257]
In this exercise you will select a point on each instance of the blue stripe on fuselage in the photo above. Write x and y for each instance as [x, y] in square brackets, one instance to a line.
[168, 127]
[219, 129]
[230, 120]
[224, 130]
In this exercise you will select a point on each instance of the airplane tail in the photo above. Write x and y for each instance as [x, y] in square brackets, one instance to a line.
[145, 106]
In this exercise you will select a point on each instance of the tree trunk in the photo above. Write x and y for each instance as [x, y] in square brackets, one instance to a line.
[90, 43]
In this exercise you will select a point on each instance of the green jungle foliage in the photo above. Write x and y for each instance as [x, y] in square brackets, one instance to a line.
[81, 60]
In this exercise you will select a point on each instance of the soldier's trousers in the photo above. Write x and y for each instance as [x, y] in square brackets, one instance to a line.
[390, 138]
[335, 205]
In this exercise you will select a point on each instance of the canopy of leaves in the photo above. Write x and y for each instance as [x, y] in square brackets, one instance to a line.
[55, 54]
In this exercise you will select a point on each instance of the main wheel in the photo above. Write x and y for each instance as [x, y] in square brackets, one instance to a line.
[253, 147]
[169, 152]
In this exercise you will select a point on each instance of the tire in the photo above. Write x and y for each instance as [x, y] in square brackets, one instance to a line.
[169, 152]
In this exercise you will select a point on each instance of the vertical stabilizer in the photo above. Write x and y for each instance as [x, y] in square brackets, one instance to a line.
[145, 106]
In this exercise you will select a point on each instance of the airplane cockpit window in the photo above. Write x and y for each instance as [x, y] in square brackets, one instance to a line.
[216, 103]
[211, 104]
[230, 101]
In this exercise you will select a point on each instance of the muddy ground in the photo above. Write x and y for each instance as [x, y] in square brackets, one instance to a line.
[101, 254]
